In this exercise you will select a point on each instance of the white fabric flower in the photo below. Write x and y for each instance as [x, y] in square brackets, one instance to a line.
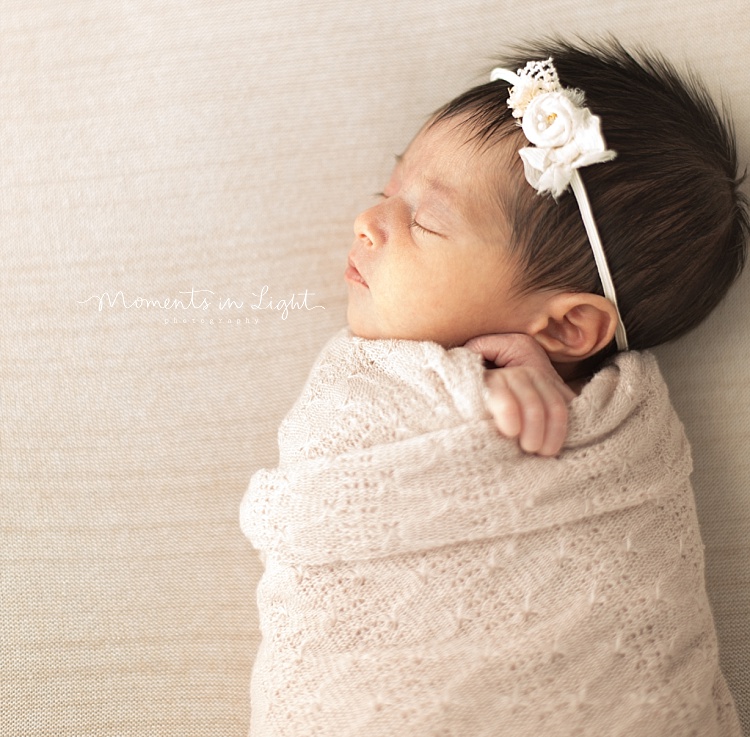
[551, 119]
[566, 136]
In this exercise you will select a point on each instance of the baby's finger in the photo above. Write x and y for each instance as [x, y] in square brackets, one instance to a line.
[533, 413]
[502, 404]
[556, 417]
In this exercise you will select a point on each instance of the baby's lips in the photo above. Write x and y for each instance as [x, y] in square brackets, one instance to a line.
[352, 273]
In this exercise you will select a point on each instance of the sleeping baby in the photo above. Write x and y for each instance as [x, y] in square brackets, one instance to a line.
[426, 574]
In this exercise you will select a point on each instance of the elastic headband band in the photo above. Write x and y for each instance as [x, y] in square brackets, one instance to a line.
[565, 137]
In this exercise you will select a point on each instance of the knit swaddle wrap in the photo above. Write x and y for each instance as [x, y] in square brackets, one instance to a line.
[423, 576]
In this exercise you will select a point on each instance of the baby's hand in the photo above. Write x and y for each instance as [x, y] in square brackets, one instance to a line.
[527, 397]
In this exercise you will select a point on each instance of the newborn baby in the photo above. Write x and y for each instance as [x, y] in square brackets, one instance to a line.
[426, 575]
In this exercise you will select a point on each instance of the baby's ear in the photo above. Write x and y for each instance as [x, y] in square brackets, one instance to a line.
[574, 325]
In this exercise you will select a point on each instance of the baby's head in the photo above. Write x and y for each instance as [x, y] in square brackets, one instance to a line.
[462, 245]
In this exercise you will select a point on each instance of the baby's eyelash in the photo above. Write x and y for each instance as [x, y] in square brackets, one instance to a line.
[415, 224]
[379, 194]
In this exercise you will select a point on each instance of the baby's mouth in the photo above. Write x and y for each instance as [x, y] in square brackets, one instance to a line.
[351, 274]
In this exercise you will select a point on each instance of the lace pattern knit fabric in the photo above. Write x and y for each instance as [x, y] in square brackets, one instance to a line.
[423, 576]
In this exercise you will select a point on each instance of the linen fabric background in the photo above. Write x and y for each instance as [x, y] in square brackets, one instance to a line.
[224, 148]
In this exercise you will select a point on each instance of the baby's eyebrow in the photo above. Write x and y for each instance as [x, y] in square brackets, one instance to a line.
[445, 191]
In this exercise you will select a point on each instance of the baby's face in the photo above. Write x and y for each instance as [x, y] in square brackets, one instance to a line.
[432, 253]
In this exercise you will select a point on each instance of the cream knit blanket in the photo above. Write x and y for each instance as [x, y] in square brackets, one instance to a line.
[425, 577]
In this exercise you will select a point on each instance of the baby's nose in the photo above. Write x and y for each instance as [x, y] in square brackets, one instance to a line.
[366, 227]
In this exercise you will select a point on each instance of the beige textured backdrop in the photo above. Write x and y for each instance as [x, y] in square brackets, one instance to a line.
[157, 147]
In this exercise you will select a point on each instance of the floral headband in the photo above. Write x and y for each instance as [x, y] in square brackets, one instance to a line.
[565, 137]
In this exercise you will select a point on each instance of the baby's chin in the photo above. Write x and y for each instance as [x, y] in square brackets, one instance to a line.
[362, 332]
[361, 327]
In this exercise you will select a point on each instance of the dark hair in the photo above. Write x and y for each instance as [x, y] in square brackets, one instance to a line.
[672, 220]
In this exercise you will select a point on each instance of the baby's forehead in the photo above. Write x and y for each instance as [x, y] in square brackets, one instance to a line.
[456, 147]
